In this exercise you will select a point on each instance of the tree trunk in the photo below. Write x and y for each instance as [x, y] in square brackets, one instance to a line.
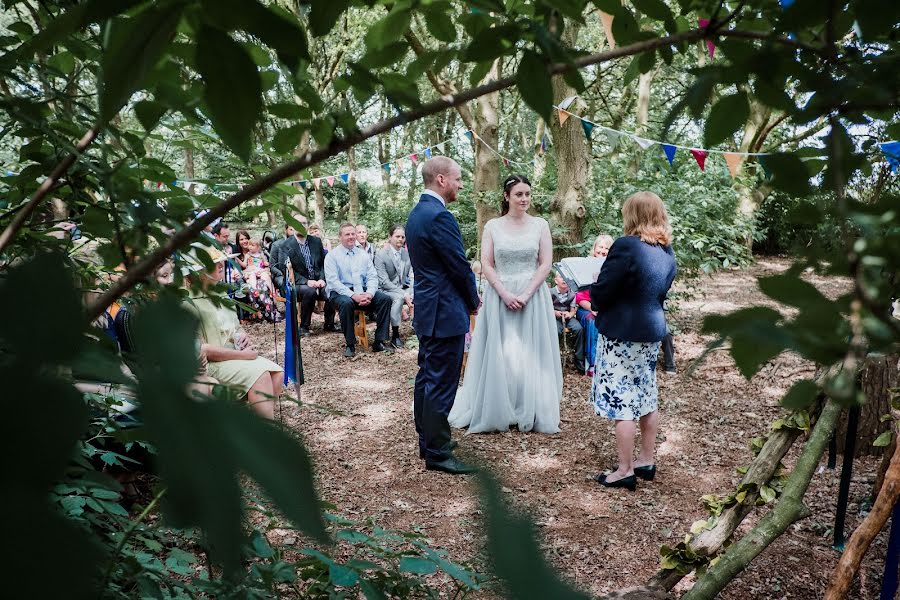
[319, 207]
[859, 543]
[486, 174]
[642, 115]
[879, 374]
[573, 166]
[189, 163]
[540, 159]
[354, 188]
[789, 509]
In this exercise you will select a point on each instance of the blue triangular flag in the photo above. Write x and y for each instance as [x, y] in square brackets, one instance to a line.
[427, 152]
[892, 153]
[346, 177]
[786, 3]
[669, 149]
[469, 134]
[387, 167]
[588, 127]
[303, 184]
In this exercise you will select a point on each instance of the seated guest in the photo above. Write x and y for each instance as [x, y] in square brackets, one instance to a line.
[586, 317]
[602, 245]
[316, 231]
[393, 267]
[231, 360]
[307, 257]
[564, 309]
[277, 257]
[362, 241]
[353, 285]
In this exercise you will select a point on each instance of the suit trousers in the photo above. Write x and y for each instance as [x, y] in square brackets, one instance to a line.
[398, 300]
[440, 360]
[379, 309]
[306, 297]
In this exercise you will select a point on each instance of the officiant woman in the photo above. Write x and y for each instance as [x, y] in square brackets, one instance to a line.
[628, 297]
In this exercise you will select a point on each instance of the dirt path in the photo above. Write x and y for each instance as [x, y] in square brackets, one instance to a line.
[357, 422]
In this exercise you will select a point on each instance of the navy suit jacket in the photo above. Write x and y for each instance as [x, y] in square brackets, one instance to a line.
[629, 293]
[444, 290]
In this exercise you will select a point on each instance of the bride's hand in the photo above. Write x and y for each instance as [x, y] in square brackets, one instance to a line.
[523, 299]
[512, 302]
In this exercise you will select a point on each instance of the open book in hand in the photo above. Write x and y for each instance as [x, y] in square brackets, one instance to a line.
[579, 272]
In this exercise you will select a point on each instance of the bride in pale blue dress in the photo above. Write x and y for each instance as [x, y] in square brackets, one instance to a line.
[513, 376]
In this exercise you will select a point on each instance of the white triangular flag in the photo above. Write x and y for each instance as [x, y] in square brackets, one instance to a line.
[567, 102]
[643, 143]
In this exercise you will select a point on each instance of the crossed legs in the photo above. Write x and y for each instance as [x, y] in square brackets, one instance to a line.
[264, 392]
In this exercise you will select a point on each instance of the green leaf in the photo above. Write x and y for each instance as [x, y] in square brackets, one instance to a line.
[324, 15]
[754, 333]
[389, 28]
[655, 9]
[625, 27]
[287, 139]
[883, 440]
[284, 36]
[286, 110]
[62, 61]
[149, 113]
[342, 576]
[133, 47]
[728, 115]
[533, 81]
[793, 291]
[801, 395]
[515, 553]
[767, 493]
[439, 22]
[789, 173]
[417, 565]
[233, 90]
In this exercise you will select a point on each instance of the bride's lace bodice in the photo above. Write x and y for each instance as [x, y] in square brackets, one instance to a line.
[516, 252]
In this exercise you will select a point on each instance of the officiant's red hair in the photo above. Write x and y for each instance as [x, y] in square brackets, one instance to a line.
[645, 216]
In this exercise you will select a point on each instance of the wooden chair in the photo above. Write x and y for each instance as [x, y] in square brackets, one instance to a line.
[359, 328]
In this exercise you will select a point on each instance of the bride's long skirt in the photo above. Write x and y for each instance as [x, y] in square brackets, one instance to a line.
[513, 376]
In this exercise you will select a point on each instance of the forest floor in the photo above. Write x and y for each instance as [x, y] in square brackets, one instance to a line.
[356, 420]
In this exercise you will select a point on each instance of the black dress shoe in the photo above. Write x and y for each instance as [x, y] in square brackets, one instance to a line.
[647, 472]
[451, 446]
[332, 329]
[380, 347]
[303, 332]
[397, 343]
[629, 483]
[350, 352]
[451, 465]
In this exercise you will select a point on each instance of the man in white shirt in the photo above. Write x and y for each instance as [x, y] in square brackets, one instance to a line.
[362, 241]
[352, 284]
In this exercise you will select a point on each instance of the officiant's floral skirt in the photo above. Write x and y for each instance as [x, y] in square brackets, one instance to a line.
[624, 384]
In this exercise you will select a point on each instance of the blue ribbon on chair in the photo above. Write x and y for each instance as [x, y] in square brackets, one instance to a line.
[293, 358]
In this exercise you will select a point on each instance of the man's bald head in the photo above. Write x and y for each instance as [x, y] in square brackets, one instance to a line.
[437, 165]
[443, 176]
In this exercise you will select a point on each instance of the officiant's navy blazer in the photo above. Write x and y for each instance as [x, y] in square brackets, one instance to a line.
[444, 290]
[629, 293]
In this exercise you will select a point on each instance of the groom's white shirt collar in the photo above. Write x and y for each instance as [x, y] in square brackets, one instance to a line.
[436, 195]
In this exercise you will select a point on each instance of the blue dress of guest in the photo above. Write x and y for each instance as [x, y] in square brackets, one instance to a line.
[589, 325]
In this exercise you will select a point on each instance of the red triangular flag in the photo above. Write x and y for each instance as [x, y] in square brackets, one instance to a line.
[413, 158]
[700, 157]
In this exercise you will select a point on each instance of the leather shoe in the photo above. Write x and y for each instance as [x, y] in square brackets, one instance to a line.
[451, 446]
[397, 343]
[350, 352]
[629, 483]
[332, 329]
[303, 332]
[380, 347]
[647, 472]
[451, 465]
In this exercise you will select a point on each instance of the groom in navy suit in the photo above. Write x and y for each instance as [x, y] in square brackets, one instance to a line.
[445, 296]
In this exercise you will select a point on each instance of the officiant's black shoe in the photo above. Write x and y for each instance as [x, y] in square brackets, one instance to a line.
[452, 465]
[647, 472]
[332, 329]
[350, 352]
[629, 483]
[303, 332]
[381, 347]
[451, 446]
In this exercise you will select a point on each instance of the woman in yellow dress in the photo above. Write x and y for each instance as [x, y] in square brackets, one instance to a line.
[232, 359]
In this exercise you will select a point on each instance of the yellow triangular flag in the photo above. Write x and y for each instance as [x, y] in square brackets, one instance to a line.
[607, 20]
[734, 162]
[563, 115]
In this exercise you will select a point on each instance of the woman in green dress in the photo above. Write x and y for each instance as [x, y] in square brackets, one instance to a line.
[232, 360]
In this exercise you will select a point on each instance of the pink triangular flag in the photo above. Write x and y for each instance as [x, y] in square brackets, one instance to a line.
[607, 20]
[563, 115]
[709, 45]
[734, 163]
[413, 158]
[330, 180]
[317, 182]
[700, 157]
